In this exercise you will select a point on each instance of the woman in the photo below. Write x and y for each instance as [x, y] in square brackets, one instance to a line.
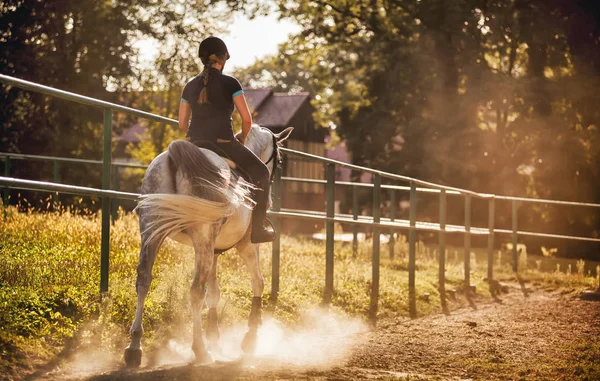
[210, 99]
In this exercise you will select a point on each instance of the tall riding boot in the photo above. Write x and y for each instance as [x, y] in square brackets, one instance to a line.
[262, 230]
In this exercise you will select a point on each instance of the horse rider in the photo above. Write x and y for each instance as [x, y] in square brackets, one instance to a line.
[210, 98]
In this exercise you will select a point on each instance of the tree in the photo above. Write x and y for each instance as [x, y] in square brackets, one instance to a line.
[495, 96]
[88, 48]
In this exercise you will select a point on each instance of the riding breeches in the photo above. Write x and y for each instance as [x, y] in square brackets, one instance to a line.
[245, 160]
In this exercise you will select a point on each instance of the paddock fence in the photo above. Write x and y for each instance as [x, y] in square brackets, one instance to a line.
[375, 222]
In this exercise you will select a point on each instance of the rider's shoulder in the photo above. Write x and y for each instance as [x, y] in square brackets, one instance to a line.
[230, 78]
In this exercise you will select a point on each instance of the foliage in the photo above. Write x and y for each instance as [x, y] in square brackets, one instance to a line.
[65, 45]
[493, 96]
[93, 48]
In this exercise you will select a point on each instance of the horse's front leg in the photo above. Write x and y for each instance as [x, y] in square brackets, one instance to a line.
[212, 300]
[250, 254]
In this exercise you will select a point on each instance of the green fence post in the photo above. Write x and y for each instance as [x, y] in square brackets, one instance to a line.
[491, 218]
[56, 179]
[392, 242]
[412, 237]
[467, 243]
[376, 245]
[115, 186]
[355, 217]
[106, 165]
[329, 232]
[514, 236]
[276, 247]
[6, 174]
[442, 246]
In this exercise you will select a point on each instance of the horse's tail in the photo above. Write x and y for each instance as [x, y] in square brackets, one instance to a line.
[214, 195]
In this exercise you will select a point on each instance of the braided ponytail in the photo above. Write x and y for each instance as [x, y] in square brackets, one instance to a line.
[203, 98]
[206, 76]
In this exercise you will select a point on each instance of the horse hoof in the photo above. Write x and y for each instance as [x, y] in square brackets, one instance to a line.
[204, 358]
[133, 357]
[249, 342]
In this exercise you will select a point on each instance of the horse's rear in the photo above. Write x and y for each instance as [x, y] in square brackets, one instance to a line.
[185, 186]
[188, 194]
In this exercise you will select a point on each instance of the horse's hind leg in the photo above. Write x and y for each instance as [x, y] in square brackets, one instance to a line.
[133, 353]
[212, 300]
[204, 241]
[249, 253]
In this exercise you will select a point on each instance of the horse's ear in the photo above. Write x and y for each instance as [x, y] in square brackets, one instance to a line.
[283, 135]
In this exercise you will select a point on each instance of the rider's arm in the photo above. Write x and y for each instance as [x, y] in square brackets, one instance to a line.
[240, 104]
[185, 110]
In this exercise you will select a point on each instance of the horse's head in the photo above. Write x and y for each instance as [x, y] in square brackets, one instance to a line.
[264, 143]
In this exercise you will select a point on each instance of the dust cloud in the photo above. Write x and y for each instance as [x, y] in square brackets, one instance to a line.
[320, 339]
[91, 361]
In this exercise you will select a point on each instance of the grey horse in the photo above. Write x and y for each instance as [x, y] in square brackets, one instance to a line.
[192, 195]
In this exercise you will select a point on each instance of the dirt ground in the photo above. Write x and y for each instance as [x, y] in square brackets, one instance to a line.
[539, 336]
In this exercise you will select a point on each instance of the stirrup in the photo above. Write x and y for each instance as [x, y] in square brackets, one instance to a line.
[265, 234]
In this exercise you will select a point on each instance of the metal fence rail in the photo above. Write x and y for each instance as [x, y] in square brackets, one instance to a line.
[376, 222]
[11, 182]
[368, 221]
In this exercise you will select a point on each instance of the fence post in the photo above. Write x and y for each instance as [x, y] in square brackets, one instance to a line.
[467, 243]
[56, 179]
[491, 218]
[106, 165]
[6, 174]
[442, 247]
[115, 186]
[412, 236]
[276, 247]
[514, 236]
[392, 218]
[329, 227]
[355, 217]
[376, 245]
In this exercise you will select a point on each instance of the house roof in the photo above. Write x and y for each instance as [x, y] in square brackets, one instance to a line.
[279, 109]
[256, 97]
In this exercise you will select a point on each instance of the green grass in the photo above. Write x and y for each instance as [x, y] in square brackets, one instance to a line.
[49, 284]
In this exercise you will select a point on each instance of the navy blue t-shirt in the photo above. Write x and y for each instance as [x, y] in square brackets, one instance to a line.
[212, 120]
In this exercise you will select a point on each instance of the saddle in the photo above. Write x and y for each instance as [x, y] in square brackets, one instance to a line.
[215, 148]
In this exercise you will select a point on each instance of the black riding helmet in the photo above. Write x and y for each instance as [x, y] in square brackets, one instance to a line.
[212, 45]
